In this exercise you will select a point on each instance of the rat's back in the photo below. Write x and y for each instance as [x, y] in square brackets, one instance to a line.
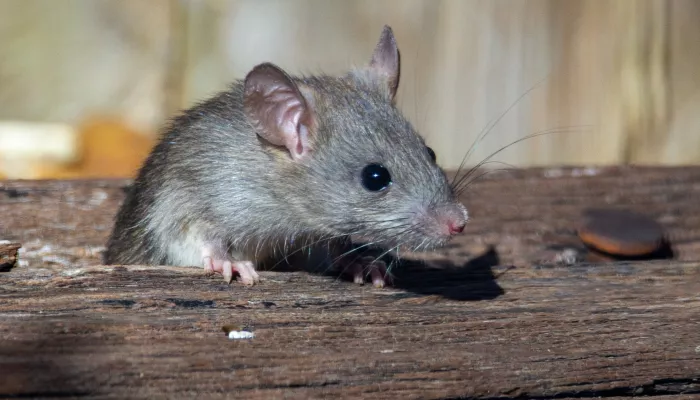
[178, 193]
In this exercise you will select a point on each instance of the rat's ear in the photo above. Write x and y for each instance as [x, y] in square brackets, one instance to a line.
[386, 60]
[277, 109]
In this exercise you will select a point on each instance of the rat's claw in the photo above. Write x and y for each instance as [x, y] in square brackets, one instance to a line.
[376, 275]
[375, 269]
[379, 274]
[227, 271]
[358, 274]
[209, 267]
[246, 270]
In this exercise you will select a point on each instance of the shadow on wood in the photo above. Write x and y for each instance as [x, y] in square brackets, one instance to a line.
[45, 373]
[472, 281]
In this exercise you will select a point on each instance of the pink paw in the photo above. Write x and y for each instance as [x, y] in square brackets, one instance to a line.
[245, 269]
[367, 266]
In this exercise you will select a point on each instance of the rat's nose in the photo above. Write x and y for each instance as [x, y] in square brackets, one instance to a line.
[456, 227]
[451, 219]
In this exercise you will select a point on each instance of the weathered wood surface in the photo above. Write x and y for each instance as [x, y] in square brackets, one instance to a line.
[491, 317]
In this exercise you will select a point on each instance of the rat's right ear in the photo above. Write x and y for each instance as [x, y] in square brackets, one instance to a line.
[386, 60]
[277, 109]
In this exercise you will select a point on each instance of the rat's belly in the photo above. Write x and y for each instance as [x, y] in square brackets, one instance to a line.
[194, 244]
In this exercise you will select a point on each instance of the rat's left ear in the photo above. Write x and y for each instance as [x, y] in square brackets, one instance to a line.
[278, 111]
[386, 60]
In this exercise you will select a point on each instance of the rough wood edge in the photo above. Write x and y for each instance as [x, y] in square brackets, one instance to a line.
[9, 254]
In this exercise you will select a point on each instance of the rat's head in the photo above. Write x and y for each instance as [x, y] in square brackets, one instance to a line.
[350, 163]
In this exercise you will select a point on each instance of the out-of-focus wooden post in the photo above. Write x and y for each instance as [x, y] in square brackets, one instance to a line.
[640, 91]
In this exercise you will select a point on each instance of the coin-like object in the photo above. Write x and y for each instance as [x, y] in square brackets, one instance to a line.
[620, 232]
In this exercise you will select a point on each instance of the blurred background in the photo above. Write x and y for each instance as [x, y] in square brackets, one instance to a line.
[85, 85]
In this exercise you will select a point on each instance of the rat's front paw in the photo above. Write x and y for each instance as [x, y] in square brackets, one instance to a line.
[245, 269]
[370, 267]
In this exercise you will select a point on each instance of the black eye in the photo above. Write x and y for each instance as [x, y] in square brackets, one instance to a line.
[432, 154]
[375, 177]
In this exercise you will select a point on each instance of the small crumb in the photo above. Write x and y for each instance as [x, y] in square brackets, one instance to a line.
[236, 332]
[386, 351]
[568, 257]
[697, 349]
[241, 335]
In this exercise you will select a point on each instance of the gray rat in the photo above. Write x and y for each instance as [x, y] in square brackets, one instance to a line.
[276, 163]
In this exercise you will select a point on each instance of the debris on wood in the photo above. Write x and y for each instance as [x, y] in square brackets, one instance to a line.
[8, 254]
[235, 332]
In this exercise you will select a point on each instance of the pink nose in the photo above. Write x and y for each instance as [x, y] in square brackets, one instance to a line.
[456, 227]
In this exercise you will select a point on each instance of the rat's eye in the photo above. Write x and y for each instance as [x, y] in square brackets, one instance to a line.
[375, 177]
[431, 153]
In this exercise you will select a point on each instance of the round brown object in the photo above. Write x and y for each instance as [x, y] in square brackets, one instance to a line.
[620, 232]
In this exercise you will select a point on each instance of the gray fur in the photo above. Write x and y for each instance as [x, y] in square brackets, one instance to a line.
[211, 179]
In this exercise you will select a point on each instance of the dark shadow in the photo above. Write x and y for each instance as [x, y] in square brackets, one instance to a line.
[6, 267]
[12, 193]
[472, 281]
[41, 368]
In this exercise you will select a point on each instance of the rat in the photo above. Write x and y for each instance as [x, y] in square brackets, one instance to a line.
[276, 163]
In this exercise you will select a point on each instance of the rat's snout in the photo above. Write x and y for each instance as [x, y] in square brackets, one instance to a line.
[437, 224]
[452, 219]
[456, 227]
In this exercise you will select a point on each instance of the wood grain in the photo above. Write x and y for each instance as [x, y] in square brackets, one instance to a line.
[493, 316]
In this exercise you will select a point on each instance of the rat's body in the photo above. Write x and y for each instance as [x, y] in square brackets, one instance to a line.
[277, 161]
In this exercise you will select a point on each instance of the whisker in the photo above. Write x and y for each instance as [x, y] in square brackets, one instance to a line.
[480, 176]
[566, 129]
[305, 247]
[489, 126]
[563, 129]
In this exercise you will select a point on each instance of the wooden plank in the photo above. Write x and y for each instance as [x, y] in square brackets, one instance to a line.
[553, 331]
[467, 322]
